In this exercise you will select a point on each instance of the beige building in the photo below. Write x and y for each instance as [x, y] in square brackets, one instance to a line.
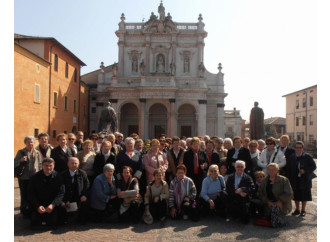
[160, 84]
[301, 115]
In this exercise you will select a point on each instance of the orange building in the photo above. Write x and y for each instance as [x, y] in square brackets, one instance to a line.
[49, 96]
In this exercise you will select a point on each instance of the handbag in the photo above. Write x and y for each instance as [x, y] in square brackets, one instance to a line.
[19, 170]
[128, 200]
[262, 222]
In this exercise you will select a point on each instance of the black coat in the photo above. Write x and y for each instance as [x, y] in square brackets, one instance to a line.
[100, 161]
[246, 184]
[188, 161]
[243, 154]
[308, 164]
[45, 190]
[74, 191]
[61, 158]
[123, 160]
[215, 158]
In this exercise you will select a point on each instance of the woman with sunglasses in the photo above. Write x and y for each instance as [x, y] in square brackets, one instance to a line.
[96, 146]
[213, 196]
[271, 154]
[71, 140]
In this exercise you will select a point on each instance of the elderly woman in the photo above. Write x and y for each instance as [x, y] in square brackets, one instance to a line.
[213, 195]
[196, 162]
[256, 207]
[128, 192]
[27, 162]
[129, 157]
[71, 140]
[300, 172]
[104, 157]
[156, 197]
[44, 147]
[238, 152]
[212, 155]
[253, 145]
[261, 145]
[271, 154]
[103, 195]
[240, 187]
[154, 159]
[182, 195]
[96, 146]
[86, 159]
[228, 143]
[276, 194]
[222, 152]
[62, 153]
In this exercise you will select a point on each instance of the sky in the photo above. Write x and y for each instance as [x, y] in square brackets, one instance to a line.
[267, 48]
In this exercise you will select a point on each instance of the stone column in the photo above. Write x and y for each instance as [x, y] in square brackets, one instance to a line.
[147, 56]
[172, 123]
[202, 118]
[142, 118]
[220, 120]
[121, 58]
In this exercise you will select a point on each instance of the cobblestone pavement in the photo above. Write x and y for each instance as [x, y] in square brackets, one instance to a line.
[207, 229]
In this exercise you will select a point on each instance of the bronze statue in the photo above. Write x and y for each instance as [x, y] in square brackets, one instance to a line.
[256, 122]
[108, 119]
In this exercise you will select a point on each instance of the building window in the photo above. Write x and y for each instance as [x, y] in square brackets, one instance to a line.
[75, 75]
[304, 120]
[311, 120]
[55, 63]
[311, 101]
[36, 133]
[297, 121]
[65, 102]
[230, 129]
[54, 134]
[55, 99]
[297, 104]
[304, 102]
[37, 93]
[93, 109]
[66, 69]
[65, 132]
[74, 106]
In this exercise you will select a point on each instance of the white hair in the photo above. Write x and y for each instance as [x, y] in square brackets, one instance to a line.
[129, 139]
[240, 162]
[108, 167]
[228, 139]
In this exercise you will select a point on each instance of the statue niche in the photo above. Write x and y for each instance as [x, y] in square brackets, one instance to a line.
[160, 64]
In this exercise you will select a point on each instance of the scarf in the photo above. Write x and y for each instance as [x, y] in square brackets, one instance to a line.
[179, 191]
[195, 162]
[269, 154]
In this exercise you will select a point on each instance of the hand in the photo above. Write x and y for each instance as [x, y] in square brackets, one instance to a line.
[219, 194]
[113, 196]
[138, 195]
[68, 204]
[211, 204]
[23, 159]
[156, 199]
[302, 171]
[50, 208]
[41, 209]
[83, 199]
[186, 199]
[173, 212]
[238, 191]
[122, 193]
[279, 204]
[243, 194]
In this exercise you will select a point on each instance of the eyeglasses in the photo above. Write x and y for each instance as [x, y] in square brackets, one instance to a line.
[94, 138]
[101, 138]
[70, 138]
[119, 136]
[162, 144]
[253, 146]
[269, 143]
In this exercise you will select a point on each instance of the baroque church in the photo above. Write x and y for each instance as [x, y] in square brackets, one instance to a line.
[160, 84]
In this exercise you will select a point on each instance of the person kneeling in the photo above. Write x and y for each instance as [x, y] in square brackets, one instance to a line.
[213, 196]
[128, 192]
[45, 194]
[155, 199]
[182, 195]
[103, 196]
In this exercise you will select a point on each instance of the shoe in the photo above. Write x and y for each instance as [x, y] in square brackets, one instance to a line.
[296, 212]
[185, 217]
[303, 213]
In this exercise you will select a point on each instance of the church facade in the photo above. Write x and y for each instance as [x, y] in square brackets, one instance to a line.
[160, 84]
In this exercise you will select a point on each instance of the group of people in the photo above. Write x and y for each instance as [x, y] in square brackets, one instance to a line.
[109, 178]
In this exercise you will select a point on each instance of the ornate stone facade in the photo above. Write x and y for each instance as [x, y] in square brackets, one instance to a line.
[160, 84]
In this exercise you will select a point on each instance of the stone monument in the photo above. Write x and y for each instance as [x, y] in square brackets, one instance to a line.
[256, 122]
[108, 119]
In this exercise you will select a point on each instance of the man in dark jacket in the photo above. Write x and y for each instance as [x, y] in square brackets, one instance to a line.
[45, 194]
[238, 152]
[76, 188]
[288, 151]
[62, 153]
[239, 187]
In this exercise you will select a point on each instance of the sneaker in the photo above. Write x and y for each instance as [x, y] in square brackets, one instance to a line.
[296, 212]
[303, 213]
[185, 217]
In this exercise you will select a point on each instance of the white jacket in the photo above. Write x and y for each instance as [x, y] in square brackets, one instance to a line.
[279, 159]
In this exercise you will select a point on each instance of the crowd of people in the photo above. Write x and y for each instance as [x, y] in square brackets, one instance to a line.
[109, 178]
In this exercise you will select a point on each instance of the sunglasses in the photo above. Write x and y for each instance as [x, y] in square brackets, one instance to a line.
[70, 138]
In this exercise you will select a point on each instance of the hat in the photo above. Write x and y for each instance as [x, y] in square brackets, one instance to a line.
[147, 217]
